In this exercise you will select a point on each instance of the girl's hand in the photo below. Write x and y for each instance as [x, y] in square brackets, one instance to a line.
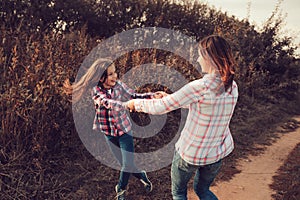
[130, 105]
[160, 94]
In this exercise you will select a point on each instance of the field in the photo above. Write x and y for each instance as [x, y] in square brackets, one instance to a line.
[44, 44]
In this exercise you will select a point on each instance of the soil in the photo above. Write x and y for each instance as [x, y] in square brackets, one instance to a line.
[258, 173]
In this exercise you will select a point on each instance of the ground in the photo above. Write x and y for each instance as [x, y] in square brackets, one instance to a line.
[258, 176]
[277, 166]
[267, 170]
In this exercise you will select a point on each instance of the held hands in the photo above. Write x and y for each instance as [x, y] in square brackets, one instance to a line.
[157, 95]
[160, 94]
[130, 105]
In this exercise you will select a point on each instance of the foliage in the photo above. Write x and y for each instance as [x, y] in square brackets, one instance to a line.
[35, 116]
[44, 42]
[44, 15]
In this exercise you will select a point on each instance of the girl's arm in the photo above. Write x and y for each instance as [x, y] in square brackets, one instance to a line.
[101, 99]
[131, 94]
[192, 92]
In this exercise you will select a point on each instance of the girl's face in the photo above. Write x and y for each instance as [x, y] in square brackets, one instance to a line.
[111, 77]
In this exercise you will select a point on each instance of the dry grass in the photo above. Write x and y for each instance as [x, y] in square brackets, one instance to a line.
[41, 155]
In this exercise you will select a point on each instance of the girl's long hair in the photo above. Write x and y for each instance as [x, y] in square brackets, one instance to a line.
[217, 49]
[90, 79]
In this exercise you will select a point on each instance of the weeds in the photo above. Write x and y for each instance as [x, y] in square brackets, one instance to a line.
[41, 155]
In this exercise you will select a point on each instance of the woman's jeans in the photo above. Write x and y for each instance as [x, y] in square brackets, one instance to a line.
[123, 150]
[181, 173]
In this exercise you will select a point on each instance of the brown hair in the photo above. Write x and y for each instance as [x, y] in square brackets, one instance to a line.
[217, 49]
[90, 79]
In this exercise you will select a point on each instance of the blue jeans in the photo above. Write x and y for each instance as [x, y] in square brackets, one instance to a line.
[122, 147]
[181, 173]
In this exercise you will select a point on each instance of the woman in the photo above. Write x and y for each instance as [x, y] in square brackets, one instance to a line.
[205, 139]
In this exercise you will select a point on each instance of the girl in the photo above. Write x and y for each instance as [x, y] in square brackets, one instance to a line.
[205, 139]
[111, 118]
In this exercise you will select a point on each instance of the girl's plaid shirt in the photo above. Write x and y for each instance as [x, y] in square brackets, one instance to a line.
[111, 116]
[206, 137]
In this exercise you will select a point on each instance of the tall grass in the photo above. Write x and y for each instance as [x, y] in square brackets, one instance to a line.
[36, 117]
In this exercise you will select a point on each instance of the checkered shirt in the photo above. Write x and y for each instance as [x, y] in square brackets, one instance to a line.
[111, 117]
[206, 137]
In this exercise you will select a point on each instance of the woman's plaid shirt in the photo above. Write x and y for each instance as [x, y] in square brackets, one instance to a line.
[206, 137]
[111, 116]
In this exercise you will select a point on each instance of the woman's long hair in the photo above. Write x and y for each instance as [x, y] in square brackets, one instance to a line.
[90, 79]
[217, 49]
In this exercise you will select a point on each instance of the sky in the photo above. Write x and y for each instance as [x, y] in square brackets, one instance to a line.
[261, 10]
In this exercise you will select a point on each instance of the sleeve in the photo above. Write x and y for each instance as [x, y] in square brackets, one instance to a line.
[192, 92]
[100, 99]
[131, 94]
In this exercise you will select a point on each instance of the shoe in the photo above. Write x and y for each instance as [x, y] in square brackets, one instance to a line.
[120, 193]
[146, 182]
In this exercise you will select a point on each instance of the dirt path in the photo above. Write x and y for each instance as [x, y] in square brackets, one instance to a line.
[256, 172]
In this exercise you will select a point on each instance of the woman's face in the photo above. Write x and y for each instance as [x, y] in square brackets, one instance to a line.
[207, 65]
[111, 77]
[200, 61]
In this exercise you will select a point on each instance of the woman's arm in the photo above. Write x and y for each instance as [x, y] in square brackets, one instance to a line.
[188, 94]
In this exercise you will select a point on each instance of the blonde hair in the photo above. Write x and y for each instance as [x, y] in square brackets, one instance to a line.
[91, 78]
[218, 49]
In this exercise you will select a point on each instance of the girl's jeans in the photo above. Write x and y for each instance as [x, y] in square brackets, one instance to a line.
[123, 150]
[181, 173]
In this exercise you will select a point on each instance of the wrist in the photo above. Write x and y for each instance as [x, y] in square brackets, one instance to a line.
[138, 106]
